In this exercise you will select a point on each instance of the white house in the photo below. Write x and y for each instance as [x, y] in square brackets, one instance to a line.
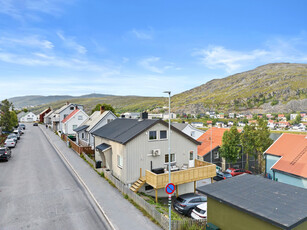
[28, 117]
[197, 124]
[231, 115]
[97, 120]
[129, 147]
[47, 118]
[73, 120]
[189, 130]
[293, 116]
[60, 114]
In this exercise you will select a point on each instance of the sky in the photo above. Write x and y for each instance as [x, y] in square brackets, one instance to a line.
[138, 47]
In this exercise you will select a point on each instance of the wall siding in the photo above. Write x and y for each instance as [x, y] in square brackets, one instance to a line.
[292, 180]
[269, 162]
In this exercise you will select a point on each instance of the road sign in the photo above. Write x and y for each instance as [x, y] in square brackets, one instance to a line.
[170, 188]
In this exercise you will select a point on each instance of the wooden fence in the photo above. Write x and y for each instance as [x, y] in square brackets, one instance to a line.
[77, 148]
[152, 211]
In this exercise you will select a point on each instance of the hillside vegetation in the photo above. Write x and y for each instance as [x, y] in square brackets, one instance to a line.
[261, 89]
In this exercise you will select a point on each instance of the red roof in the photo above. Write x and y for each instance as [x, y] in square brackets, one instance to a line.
[281, 115]
[292, 148]
[70, 115]
[205, 147]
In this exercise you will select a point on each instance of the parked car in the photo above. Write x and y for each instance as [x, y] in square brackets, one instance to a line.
[5, 153]
[184, 204]
[18, 133]
[22, 126]
[236, 172]
[35, 124]
[12, 136]
[200, 212]
[222, 176]
[10, 143]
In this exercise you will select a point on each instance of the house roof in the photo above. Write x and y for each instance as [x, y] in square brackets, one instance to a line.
[123, 130]
[205, 147]
[103, 147]
[48, 114]
[70, 115]
[280, 204]
[80, 128]
[292, 148]
[44, 111]
[180, 126]
[95, 118]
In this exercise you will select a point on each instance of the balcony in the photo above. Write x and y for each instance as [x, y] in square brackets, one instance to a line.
[202, 170]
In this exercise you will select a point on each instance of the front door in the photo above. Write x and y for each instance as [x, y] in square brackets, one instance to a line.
[191, 159]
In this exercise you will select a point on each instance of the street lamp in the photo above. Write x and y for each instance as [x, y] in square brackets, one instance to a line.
[169, 157]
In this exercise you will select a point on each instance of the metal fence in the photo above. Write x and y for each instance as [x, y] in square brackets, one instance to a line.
[151, 210]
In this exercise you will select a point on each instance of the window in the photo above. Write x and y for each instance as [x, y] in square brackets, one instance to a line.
[173, 158]
[72, 108]
[82, 135]
[74, 127]
[65, 115]
[109, 120]
[152, 135]
[216, 155]
[119, 161]
[191, 156]
[192, 133]
[163, 134]
[80, 117]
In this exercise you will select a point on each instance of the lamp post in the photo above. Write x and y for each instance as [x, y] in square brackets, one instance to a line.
[169, 157]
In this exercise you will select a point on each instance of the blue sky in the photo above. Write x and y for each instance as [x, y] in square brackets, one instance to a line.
[137, 47]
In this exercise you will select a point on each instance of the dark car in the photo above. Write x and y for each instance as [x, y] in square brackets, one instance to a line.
[35, 124]
[22, 126]
[236, 172]
[5, 153]
[184, 204]
[222, 176]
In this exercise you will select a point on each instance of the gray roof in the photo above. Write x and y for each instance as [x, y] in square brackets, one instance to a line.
[180, 126]
[80, 128]
[103, 146]
[280, 204]
[123, 130]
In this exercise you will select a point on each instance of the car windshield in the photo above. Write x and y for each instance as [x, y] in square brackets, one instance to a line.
[2, 151]
[197, 209]
[228, 170]
[180, 200]
[11, 136]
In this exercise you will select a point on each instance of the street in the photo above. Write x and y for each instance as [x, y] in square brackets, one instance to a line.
[37, 191]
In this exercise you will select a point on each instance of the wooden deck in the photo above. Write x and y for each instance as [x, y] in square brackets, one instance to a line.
[202, 170]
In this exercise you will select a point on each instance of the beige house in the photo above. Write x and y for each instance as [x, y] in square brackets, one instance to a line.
[137, 150]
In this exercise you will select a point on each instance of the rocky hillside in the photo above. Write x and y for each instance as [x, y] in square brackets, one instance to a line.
[280, 87]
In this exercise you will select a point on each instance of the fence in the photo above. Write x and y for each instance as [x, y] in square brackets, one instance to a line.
[77, 148]
[151, 210]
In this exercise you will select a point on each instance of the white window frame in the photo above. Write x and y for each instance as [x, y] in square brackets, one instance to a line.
[216, 155]
[119, 161]
[80, 117]
[172, 154]
[156, 135]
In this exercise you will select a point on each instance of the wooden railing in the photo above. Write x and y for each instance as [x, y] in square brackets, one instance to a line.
[77, 148]
[201, 171]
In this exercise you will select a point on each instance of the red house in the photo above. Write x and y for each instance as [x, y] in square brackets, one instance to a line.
[42, 114]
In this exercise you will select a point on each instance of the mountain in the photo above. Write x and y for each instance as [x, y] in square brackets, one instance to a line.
[34, 100]
[278, 87]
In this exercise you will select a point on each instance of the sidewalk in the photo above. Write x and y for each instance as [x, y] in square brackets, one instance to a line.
[121, 212]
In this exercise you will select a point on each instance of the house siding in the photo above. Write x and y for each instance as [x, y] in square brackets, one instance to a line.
[68, 126]
[269, 162]
[290, 179]
[66, 112]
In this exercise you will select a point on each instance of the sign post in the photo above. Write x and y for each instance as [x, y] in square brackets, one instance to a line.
[170, 189]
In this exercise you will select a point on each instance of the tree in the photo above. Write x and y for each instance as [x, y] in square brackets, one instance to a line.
[25, 110]
[14, 119]
[6, 116]
[247, 141]
[297, 119]
[106, 107]
[230, 148]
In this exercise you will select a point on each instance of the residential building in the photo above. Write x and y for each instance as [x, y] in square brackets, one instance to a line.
[293, 116]
[133, 150]
[197, 124]
[20, 115]
[220, 124]
[72, 121]
[60, 114]
[28, 117]
[42, 114]
[253, 122]
[240, 115]
[249, 116]
[166, 116]
[281, 117]
[253, 202]
[220, 115]
[271, 124]
[231, 115]
[303, 114]
[48, 117]
[131, 115]
[97, 120]
[260, 116]
[286, 160]
[269, 116]
[209, 123]
[241, 124]
[230, 123]
[283, 124]
[189, 130]
[155, 116]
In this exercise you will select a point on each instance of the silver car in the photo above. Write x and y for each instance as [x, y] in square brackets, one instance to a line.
[10, 143]
[13, 136]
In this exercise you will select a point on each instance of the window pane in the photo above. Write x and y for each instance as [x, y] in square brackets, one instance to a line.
[163, 134]
[191, 156]
[152, 135]
[166, 158]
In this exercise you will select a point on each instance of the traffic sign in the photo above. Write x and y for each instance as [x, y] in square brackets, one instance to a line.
[170, 188]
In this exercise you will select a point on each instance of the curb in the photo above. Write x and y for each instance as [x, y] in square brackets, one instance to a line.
[62, 156]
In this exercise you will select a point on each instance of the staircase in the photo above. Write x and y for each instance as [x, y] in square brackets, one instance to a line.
[138, 184]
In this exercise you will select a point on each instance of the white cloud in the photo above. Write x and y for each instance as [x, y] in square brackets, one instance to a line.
[30, 41]
[71, 43]
[143, 34]
[276, 50]
[153, 64]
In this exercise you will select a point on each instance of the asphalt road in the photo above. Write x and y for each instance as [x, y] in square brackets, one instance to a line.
[37, 191]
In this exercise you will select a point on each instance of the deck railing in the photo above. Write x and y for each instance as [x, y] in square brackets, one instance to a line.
[202, 170]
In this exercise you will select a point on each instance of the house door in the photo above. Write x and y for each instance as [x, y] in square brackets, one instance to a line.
[191, 159]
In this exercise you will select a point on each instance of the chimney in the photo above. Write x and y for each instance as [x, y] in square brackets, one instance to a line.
[102, 109]
[144, 115]
[67, 102]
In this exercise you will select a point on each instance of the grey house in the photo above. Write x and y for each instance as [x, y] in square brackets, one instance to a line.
[129, 147]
